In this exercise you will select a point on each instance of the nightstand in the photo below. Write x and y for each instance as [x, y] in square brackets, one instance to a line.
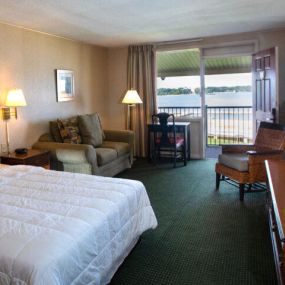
[33, 157]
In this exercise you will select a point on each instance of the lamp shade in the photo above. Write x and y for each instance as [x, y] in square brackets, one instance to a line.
[132, 97]
[15, 98]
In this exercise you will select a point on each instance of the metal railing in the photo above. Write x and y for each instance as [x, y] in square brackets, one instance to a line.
[182, 111]
[224, 125]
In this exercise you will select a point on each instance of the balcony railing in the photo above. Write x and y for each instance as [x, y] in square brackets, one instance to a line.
[182, 111]
[224, 125]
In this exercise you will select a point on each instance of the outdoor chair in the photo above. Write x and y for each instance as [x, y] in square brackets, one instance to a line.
[244, 164]
[165, 138]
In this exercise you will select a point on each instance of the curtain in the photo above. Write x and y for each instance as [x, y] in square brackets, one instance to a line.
[142, 77]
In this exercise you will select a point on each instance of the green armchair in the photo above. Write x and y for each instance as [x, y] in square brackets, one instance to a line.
[112, 156]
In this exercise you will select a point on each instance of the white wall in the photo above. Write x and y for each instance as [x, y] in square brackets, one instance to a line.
[28, 60]
[117, 87]
[117, 60]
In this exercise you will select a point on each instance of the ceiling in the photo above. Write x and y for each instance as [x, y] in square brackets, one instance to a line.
[124, 22]
[187, 63]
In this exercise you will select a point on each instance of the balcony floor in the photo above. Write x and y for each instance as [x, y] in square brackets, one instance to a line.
[213, 151]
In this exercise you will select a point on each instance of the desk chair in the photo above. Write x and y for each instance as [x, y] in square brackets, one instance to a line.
[245, 163]
[165, 138]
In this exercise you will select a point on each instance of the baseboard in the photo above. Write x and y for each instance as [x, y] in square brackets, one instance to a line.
[196, 156]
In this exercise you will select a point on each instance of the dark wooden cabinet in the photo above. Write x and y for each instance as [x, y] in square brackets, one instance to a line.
[276, 207]
[33, 157]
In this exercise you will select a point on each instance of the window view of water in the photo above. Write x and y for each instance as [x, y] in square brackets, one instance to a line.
[228, 113]
[229, 116]
[213, 100]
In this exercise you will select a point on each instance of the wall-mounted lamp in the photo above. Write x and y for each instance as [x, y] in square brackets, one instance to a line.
[131, 98]
[15, 98]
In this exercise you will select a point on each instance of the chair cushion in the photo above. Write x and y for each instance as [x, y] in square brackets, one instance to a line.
[120, 147]
[105, 155]
[179, 141]
[69, 130]
[90, 129]
[235, 161]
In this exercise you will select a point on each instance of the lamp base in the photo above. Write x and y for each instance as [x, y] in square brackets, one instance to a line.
[7, 136]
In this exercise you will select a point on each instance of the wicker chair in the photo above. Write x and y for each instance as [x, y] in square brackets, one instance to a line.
[245, 163]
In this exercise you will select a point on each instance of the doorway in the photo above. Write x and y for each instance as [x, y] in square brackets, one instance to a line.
[178, 91]
[228, 100]
[211, 88]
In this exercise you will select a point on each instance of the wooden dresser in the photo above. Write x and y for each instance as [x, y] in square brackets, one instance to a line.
[276, 181]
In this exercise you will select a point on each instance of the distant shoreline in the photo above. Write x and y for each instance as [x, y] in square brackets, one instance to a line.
[226, 99]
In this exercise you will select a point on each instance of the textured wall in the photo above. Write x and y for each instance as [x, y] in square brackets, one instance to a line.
[28, 60]
[117, 63]
[117, 83]
[118, 57]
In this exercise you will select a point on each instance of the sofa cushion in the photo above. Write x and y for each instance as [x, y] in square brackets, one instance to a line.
[69, 130]
[54, 130]
[235, 161]
[105, 155]
[90, 129]
[46, 138]
[120, 147]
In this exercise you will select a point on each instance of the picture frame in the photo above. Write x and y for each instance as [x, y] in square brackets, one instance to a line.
[64, 85]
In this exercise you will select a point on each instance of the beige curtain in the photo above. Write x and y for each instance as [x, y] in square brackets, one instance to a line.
[142, 77]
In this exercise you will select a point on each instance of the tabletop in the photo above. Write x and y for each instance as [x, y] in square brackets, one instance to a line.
[276, 179]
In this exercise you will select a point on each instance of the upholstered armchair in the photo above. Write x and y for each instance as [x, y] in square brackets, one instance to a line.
[79, 144]
[245, 163]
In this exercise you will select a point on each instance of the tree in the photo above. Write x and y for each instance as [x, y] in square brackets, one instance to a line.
[209, 90]
[197, 90]
[174, 91]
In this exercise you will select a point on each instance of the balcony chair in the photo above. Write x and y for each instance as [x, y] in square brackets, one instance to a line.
[165, 138]
[244, 164]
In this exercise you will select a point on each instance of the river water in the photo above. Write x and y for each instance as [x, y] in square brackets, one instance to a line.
[216, 99]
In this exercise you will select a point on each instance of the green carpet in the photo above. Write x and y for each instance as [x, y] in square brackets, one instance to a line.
[203, 237]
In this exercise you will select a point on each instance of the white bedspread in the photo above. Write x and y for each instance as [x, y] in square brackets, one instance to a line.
[64, 228]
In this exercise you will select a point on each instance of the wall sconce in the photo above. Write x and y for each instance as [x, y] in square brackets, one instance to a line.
[131, 98]
[15, 98]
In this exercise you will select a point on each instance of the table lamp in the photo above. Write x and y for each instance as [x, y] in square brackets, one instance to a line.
[15, 98]
[131, 98]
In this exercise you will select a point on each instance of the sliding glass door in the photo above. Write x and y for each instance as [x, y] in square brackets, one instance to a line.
[211, 88]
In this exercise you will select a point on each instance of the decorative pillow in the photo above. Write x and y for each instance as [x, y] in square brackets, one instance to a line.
[69, 130]
[90, 129]
[54, 130]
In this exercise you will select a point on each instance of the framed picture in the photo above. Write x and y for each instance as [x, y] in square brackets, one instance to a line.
[64, 85]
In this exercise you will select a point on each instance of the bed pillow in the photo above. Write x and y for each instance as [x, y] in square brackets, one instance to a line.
[69, 130]
[91, 129]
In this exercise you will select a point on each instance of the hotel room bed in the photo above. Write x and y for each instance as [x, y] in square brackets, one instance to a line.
[65, 228]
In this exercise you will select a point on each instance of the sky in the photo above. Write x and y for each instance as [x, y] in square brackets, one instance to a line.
[240, 79]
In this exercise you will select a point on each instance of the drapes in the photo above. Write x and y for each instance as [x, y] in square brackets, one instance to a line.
[142, 77]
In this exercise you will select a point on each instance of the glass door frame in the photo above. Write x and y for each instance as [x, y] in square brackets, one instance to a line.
[244, 48]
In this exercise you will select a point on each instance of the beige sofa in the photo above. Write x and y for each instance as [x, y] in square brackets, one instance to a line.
[107, 157]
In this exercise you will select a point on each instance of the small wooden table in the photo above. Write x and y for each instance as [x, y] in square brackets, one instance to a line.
[33, 157]
[275, 170]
